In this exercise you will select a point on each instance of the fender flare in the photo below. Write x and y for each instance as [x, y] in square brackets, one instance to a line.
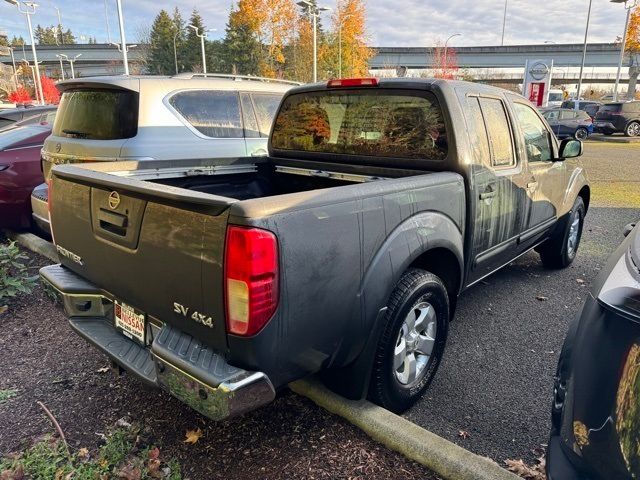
[414, 237]
[577, 182]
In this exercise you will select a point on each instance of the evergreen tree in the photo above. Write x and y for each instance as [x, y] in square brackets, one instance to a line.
[241, 49]
[51, 35]
[180, 36]
[192, 50]
[17, 41]
[161, 59]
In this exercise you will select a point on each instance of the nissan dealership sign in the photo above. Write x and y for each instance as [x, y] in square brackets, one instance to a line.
[537, 81]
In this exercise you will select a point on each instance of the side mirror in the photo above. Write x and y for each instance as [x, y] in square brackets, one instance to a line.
[627, 229]
[570, 148]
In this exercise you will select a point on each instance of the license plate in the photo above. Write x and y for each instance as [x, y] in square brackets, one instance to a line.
[129, 321]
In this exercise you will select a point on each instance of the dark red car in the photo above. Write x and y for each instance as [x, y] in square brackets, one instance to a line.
[20, 172]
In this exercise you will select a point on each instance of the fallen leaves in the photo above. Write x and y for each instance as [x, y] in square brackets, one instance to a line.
[542, 298]
[533, 472]
[463, 434]
[103, 370]
[192, 436]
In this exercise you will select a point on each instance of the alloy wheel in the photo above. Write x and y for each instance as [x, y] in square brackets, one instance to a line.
[633, 130]
[415, 343]
[574, 233]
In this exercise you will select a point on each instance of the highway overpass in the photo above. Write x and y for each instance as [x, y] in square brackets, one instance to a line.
[489, 63]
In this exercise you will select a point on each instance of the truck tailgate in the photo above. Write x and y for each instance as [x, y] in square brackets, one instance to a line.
[144, 245]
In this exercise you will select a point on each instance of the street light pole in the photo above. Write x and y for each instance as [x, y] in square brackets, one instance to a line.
[584, 56]
[123, 41]
[202, 36]
[624, 43]
[175, 51]
[30, 9]
[71, 62]
[60, 26]
[314, 11]
[15, 73]
[504, 21]
[61, 65]
[446, 46]
[315, 47]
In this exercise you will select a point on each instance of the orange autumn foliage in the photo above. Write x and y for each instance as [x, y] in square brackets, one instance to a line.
[633, 34]
[350, 18]
[273, 23]
[21, 95]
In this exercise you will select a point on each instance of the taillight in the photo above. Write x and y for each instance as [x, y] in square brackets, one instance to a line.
[251, 279]
[352, 82]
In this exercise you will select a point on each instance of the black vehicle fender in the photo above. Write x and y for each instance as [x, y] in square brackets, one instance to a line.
[411, 244]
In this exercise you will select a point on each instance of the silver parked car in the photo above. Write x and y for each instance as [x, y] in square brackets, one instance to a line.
[137, 118]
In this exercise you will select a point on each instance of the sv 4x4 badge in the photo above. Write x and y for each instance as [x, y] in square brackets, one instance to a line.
[196, 316]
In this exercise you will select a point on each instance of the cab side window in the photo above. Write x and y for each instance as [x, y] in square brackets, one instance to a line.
[477, 131]
[499, 132]
[536, 136]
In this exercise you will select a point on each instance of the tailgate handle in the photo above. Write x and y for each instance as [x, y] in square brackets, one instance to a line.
[113, 222]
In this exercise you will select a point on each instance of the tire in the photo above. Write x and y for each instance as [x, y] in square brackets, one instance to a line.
[418, 295]
[581, 134]
[561, 249]
[633, 129]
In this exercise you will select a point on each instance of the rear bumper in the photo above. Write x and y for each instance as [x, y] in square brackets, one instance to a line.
[171, 359]
[40, 208]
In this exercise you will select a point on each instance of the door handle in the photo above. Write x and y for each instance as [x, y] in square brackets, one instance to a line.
[488, 194]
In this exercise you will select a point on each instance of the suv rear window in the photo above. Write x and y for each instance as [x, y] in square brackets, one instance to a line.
[611, 107]
[97, 114]
[376, 123]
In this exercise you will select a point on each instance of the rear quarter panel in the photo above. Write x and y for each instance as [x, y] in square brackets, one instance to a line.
[342, 251]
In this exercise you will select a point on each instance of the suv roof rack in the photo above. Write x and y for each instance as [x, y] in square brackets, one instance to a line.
[234, 77]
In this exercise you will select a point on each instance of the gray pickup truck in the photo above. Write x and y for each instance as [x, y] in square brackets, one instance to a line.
[341, 253]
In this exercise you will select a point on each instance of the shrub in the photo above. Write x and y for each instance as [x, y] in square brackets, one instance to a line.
[14, 273]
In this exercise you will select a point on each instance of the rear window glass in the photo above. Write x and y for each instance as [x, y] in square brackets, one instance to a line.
[97, 114]
[614, 107]
[499, 132]
[15, 135]
[368, 123]
[215, 114]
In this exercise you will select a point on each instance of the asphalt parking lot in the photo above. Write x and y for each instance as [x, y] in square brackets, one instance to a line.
[496, 378]
[491, 395]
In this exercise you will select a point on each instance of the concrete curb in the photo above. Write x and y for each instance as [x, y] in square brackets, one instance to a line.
[443, 457]
[35, 244]
[607, 139]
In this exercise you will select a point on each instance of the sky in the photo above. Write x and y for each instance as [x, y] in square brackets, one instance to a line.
[389, 22]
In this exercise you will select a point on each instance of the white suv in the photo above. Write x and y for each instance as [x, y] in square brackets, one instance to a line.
[194, 116]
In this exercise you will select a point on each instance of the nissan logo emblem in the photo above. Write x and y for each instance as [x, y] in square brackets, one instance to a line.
[58, 147]
[539, 70]
[114, 200]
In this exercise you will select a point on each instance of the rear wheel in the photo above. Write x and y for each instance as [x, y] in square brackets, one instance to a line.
[412, 343]
[581, 133]
[633, 129]
[560, 250]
